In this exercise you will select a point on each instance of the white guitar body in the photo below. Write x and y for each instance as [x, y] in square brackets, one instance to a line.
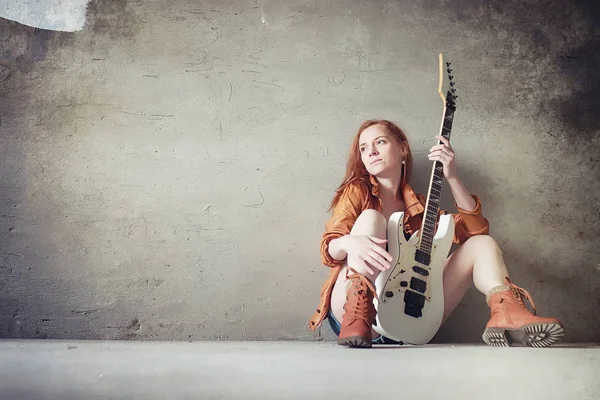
[397, 300]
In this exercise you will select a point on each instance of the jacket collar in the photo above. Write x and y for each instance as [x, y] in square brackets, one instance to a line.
[412, 205]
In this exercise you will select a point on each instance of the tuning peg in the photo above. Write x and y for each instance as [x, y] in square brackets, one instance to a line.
[447, 64]
[451, 77]
[452, 84]
[453, 90]
[449, 70]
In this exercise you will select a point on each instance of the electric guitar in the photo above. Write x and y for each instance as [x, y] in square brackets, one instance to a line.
[410, 295]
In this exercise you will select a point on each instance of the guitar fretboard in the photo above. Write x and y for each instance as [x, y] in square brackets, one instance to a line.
[435, 189]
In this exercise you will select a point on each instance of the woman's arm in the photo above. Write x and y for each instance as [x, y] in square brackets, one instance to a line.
[462, 196]
[336, 248]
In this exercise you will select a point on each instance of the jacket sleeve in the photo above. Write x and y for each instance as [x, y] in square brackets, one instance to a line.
[469, 223]
[342, 220]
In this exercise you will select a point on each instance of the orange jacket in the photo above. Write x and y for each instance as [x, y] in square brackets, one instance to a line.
[360, 196]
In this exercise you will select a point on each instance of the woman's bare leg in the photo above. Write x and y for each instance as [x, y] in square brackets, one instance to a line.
[478, 260]
[372, 223]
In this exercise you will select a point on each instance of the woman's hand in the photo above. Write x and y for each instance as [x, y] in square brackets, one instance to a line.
[365, 251]
[445, 154]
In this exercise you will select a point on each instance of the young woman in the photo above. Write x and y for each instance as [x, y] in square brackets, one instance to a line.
[354, 245]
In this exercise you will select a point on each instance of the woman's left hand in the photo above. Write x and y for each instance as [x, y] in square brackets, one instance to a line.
[445, 154]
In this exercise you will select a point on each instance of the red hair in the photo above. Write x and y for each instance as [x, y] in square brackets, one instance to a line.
[355, 169]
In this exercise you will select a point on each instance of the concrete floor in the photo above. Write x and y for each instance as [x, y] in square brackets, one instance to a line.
[39, 369]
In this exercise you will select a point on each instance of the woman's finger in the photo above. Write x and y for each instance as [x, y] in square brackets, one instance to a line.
[378, 261]
[368, 269]
[443, 140]
[377, 265]
[377, 240]
[439, 152]
[383, 253]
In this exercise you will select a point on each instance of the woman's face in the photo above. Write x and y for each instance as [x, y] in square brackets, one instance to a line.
[379, 150]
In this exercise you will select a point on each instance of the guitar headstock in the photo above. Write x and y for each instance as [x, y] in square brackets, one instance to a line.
[446, 87]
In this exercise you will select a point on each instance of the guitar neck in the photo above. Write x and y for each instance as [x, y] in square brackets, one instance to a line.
[435, 189]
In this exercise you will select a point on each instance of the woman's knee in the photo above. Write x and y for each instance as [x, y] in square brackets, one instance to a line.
[372, 214]
[372, 217]
[483, 243]
[370, 222]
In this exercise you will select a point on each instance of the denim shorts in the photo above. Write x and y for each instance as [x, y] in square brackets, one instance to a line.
[335, 327]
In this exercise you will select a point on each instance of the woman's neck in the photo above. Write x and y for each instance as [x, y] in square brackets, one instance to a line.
[389, 189]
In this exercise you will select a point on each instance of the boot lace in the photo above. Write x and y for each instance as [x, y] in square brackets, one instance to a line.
[521, 295]
[363, 308]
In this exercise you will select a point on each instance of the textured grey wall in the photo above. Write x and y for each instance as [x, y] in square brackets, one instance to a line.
[166, 171]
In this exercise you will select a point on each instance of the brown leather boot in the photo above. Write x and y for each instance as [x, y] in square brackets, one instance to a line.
[360, 313]
[513, 324]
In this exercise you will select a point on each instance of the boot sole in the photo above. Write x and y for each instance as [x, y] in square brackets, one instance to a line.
[355, 341]
[533, 335]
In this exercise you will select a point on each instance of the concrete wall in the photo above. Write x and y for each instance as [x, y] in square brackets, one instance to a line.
[166, 171]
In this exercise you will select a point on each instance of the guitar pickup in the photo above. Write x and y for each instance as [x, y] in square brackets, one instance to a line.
[420, 270]
[418, 285]
[413, 304]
